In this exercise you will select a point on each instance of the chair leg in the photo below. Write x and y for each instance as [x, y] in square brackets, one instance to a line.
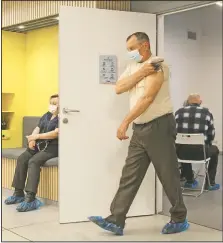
[206, 175]
[206, 171]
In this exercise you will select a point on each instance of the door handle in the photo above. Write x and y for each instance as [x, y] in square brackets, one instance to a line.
[66, 110]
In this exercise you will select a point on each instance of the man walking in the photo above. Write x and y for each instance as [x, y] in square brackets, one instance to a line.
[153, 138]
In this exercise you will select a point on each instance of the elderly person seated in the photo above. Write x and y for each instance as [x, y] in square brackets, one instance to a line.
[193, 118]
[42, 146]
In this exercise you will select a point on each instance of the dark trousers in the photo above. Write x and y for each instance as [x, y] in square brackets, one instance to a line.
[29, 163]
[152, 142]
[196, 153]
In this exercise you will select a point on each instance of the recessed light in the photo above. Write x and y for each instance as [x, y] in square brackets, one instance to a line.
[219, 3]
[21, 26]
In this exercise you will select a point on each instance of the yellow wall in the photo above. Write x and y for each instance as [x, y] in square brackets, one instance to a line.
[13, 81]
[41, 69]
[30, 70]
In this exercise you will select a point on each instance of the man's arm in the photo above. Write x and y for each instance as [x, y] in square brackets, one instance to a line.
[36, 131]
[127, 81]
[211, 129]
[48, 135]
[125, 84]
[153, 85]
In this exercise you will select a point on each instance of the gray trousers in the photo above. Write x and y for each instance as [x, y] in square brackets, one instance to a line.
[29, 163]
[151, 142]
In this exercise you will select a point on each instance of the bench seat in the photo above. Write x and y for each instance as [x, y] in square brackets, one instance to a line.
[48, 185]
[14, 153]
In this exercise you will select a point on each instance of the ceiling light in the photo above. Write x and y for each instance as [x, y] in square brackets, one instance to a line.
[219, 3]
[21, 26]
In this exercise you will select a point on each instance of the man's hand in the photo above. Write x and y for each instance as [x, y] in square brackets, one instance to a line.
[33, 137]
[32, 145]
[121, 133]
[147, 69]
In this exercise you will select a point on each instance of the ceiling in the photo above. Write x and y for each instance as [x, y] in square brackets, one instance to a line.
[33, 24]
[155, 7]
[160, 7]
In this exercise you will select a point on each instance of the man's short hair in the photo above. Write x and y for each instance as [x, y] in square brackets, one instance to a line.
[193, 98]
[54, 96]
[141, 36]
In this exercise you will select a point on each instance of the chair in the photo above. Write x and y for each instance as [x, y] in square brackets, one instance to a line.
[194, 139]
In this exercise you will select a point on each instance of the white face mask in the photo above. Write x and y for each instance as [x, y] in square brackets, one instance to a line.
[52, 108]
[134, 55]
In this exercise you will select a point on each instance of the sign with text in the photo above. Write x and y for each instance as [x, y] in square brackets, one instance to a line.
[107, 69]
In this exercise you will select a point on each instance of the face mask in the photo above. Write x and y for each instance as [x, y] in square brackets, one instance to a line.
[52, 108]
[134, 55]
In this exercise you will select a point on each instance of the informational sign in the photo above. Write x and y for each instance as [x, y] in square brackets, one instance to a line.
[107, 69]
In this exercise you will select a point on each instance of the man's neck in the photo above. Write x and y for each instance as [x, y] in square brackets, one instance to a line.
[195, 104]
[147, 57]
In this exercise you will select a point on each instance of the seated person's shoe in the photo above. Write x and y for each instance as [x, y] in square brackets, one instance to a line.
[98, 220]
[213, 187]
[14, 200]
[191, 185]
[172, 227]
[29, 206]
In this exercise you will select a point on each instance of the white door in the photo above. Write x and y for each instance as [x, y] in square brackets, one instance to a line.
[91, 157]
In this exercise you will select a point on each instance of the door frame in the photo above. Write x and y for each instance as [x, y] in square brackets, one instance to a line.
[160, 51]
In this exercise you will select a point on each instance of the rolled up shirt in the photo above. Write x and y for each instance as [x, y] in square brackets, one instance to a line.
[156, 62]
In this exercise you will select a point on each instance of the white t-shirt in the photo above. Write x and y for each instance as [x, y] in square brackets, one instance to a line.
[162, 104]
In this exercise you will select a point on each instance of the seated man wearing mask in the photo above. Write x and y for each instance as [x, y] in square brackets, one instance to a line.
[42, 146]
[193, 118]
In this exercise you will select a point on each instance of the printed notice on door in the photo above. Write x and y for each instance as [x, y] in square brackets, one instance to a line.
[107, 69]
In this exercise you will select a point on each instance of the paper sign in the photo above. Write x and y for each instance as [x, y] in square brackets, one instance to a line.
[107, 69]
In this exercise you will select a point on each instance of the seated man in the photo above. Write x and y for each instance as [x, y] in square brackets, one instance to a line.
[42, 146]
[193, 118]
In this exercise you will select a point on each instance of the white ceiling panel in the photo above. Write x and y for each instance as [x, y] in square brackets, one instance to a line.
[159, 7]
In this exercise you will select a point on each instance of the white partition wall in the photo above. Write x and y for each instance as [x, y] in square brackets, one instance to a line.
[91, 157]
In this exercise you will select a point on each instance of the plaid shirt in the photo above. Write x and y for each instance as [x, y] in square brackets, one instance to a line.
[195, 119]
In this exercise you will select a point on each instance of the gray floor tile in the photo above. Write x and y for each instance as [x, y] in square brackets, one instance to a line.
[137, 229]
[12, 219]
[8, 236]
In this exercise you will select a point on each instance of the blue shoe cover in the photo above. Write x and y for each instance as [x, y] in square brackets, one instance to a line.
[13, 200]
[172, 227]
[214, 187]
[98, 220]
[29, 206]
[191, 185]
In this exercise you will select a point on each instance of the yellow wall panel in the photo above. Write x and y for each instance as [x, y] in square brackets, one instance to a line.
[13, 81]
[41, 69]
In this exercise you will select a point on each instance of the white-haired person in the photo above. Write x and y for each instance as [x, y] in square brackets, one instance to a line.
[193, 118]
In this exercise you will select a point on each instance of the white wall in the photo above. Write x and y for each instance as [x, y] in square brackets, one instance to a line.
[196, 65]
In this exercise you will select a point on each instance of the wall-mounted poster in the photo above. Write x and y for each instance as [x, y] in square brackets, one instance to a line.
[107, 69]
